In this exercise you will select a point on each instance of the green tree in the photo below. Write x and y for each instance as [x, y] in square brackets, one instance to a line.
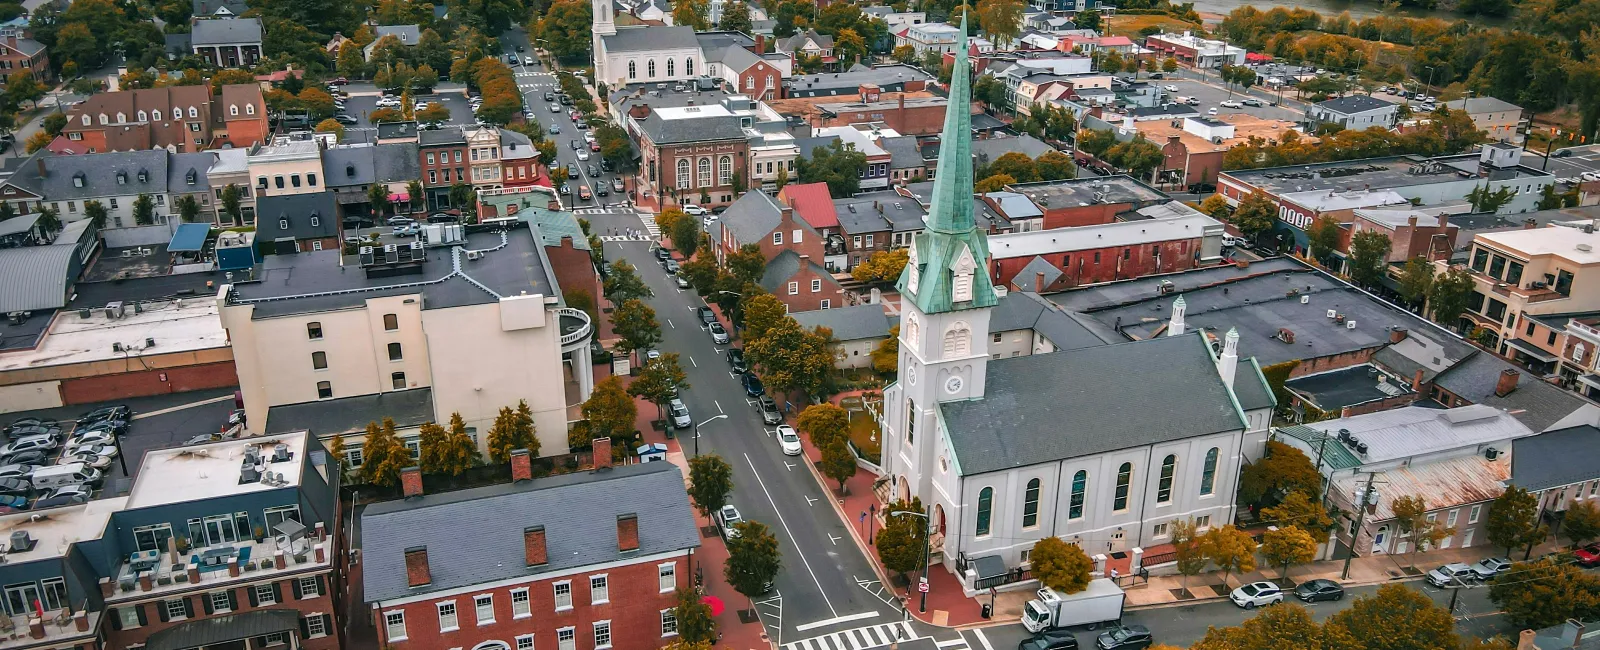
[95, 212]
[824, 422]
[144, 210]
[1015, 164]
[1060, 566]
[701, 273]
[1054, 166]
[1255, 215]
[839, 165]
[695, 624]
[753, 559]
[1001, 20]
[317, 102]
[710, 482]
[351, 63]
[1449, 295]
[1230, 549]
[382, 454]
[1323, 237]
[54, 123]
[1416, 278]
[1397, 617]
[793, 358]
[49, 220]
[1217, 207]
[735, 18]
[900, 542]
[1139, 156]
[622, 283]
[1288, 546]
[1546, 593]
[636, 323]
[1512, 520]
[886, 354]
[1189, 550]
[188, 208]
[609, 413]
[685, 234]
[1096, 142]
[882, 266]
[660, 382]
[565, 27]
[1282, 471]
[1411, 516]
[22, 87]
[693, 13]
[1369, 257]
[1581, 523]
[1484, 199]
[1288, 627]
[1301, 510]
[378, 198]
[333, 126]
[747, 264]
[906, 54]
[230, 203]
[838, 462]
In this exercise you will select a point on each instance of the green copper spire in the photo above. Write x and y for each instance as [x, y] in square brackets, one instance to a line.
[949, 266]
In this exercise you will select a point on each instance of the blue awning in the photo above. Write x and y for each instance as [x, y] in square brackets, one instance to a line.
[190, 238]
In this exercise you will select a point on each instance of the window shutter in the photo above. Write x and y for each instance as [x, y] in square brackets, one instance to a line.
[305, 630]
[322, 585]
[188, 607]
[327, 624]
[116, 618]
[140, 610]
[161, 608]
[205, 599]
[277, 593]
[251, 592]
[233, 600]
[295, 584]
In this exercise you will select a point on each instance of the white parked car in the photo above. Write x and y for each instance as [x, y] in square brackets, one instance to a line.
[1170, 88]
[1256, 594]
[583, 154]
[788, 440]
[1228, 103]
[690, 208]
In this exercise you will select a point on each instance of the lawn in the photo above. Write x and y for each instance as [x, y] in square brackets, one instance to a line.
[1129, 24]
[864, 432]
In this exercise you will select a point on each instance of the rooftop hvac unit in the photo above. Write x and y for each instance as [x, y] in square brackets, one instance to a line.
[149, 341]
[114, 309]
[1491, 453]
[280, 453]
[1305, 300]
[1361, 447]
[1350, 324]
[116, 346]
[21, 541]
[1332, 313]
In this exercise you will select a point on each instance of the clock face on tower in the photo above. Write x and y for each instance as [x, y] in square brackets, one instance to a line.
[952, 385]
[911, 375]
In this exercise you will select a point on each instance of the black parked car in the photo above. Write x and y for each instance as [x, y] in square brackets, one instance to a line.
[736, 359]
[706, 315]
[118, 412]
[1124, 637]
[752, 385]
[10, 486]
[30, 457]
[1314, 590]
[1050, 640]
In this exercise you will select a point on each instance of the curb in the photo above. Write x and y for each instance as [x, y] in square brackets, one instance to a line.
[1212, 599]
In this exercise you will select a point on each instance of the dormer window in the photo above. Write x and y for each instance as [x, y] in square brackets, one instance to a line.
[144, 117]
[177, 113]
[193, 112]
[121, 118]
[350, 170]
[122, 178]
[233, 109]
[78, 180]
[250, 109]
[104, 120]
[191, 177]
[144, 177]
[86, 120]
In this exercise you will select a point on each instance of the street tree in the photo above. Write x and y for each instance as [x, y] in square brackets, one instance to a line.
[886, 354]
[1255, 214]
[636, 323]
[37, 141]
[685, 234]
[882, 266]
[1284, 469]
[1369, 257]
[901, 541]
[435, 112]
[1300, 510]
[695, 624]
[1287, 546]
[382, 454]
[1096, 142]
[1060, 566]
[1189, 550]
[378, 198]
[793, 358]
[188, 208]
[701, 273]
[1411, 516]
[710, 482]
[1397, 617]
[1139, 156]
[762, 313]
[1512, 521]
[333, 126]
[1416, 278]
[753, 559]
[660, 382]
[1323, 236]
[1015, 164]
[993, 183]
[824, 422]
[1231, 550]
[1217, 207]
[747, 264]
[838, 462]
[144, 210]
[608, 413]
[1286, 627]
[623, 283]
[1545, 593]
[1449, 295]
[1581, 523]
[1054, 166]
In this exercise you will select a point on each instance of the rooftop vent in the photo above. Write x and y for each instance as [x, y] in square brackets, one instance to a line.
[21, 541]
[280, 453]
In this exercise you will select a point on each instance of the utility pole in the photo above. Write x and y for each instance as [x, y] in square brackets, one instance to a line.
[1361, 518]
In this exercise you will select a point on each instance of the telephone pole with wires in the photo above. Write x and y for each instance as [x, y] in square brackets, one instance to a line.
[1361, 518]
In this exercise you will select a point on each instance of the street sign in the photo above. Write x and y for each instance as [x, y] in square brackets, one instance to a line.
[922, 586]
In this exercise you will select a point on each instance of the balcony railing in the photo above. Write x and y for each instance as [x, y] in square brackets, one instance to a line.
[575, 325]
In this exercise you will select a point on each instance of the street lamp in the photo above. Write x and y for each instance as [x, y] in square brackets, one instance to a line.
[1430, 80]
[697, 431]
[927, 536]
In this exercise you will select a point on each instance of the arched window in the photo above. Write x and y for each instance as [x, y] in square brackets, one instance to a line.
[1208, 474]
[1577, 352]
[688, 66]
[725, 170]
[1080, 485]
[985, 504]
[633, 70]
[670, 67]
[1030, 505]
[705, 172]
[1169, 466]
[1124, 478]
[958, 340]
[683, 173]
[650, 68]
[911, 330]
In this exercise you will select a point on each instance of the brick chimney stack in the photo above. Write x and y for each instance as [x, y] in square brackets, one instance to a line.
[411, 482]
[1507, 383]
[628, 532]
[521, 465]
[533, 546]
[602, 453]
[417, 573]
[1416, 381]
[637, 111]
[1397, 335]
[1525, 640]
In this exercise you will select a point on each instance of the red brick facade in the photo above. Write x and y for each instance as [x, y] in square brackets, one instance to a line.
[187, 118]
[809, 288]
[154, 614]
[100, 388]
[761, 82]
[633, 604]
[13, 57]
[1106, 264]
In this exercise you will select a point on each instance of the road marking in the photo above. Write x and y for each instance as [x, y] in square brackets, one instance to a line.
[809, 500]
[837, 619]
[982, 638]
[719, 405]
[950, 642]
[788, 465]
[834, 539]
[792, 540]
[180, 407]
[692, 363]
[669, 324]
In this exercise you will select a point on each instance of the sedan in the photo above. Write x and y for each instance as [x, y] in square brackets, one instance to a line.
[616, 185]
[1314, 590]
[680, 414]
[89, 439]
[118, 412]
[788, 441]
[583, 154]
[682, 282]
[92, 460]
[593, 145]
[400, 221]
[719, 335]
[109, 451]
[35, 457]
[728, 517]
[549, 96]
[1170, 88]
[27, 422]
[572, 173]
[1450, 575]
[114, 427]
[15, 486]
[1050, 640]
[13, 503]
[1489, 567]
[64, 496]
[752, 385]
[555, 108]
[1589, 556]
[42, 430]
[575, 144]
[736, 359]
[345, 119]
[555, 128]
[769, 410]
[1256, 594]
[1124, 637]
[1251, 102]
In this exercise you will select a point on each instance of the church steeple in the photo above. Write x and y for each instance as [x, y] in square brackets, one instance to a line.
[949, 265]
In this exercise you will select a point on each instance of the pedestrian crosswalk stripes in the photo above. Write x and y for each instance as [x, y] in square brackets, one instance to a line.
[861, 638]
[650, 225]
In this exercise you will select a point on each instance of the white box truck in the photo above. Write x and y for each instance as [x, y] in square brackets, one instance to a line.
[1100, 603]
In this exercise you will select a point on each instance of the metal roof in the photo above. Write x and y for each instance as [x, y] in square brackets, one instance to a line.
[1448, 483]
[409, 408]
[220, 629]
[1414, 430]
[189, 238]
[36, 277]
[852, 323]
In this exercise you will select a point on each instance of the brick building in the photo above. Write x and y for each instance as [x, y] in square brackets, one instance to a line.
[443, 155]
[1088, 201]
[18, 52]
[540, 569]
[519, 161]
[801, 283]
[691, 154]
[913, 116]
[183, 118]
[1177, 239]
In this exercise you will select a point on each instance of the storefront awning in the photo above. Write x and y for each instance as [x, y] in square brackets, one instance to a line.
[1529, 349]
[221, 629]
[399, 197]
[1592, 381]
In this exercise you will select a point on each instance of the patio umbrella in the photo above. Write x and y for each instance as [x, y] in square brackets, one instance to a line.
[714, 603]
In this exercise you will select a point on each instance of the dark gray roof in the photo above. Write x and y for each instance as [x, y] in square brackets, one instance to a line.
[409, 408]
[1250, 386]
[392, 130]
[20, 224]
[182, 167]
[1028, 279]
[878, 212]
[655, 38]
[794, 43]
[28, 46]
[178, 43]
[1352, 104]
[441, 137]
[349, 165]
[694, 129]
[210, 7]
[99, 173]
[397, 161]
[1533, 402]
[784, 266]
[226, 31]
[1077, 403]
[406, 34]
[1556, 458]
[221, 629]
[903, 152]
[809, 144]
[851, 323]
[36, 277]
[298, 209]
[578, 512]
[752, 217]
[1025, 310]
[991, 149]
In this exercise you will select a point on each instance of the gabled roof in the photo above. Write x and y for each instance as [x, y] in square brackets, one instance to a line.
[1025, 310]
[693, 129]
[903, 152]
[578, 511]
[655, 38]
[182, 168]
[225, 31]
[24, 46]
[1037, 275]
[752, 217]
[1534, 402]
[349, 165]
[1557, 458]
[853, 323]
[406, 34]
[298, 209]
[812, 203]
[214, 7]
[397, 162]
[785, 265]
[91, 176]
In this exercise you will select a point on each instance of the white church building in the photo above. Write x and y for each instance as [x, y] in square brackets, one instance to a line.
[643, 54]
[1102, 446]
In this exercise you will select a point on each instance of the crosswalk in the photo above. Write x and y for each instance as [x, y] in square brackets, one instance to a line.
[862, 638]
[650, 224]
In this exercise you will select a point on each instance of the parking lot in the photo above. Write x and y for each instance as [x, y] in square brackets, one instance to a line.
[361, 106]
[1577, 161]
[1212, 97]
[158, 422]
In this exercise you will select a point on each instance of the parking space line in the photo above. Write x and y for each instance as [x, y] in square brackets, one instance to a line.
[180, 407]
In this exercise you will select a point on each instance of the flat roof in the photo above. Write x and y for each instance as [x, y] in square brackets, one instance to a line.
[1244, 126]
[1413, 430]
[198, 472]
[63, 527]
[183, 325]
[1075, 192]
[1335, 389]
[1562, 241]
[1372, 173]
[1118, 233]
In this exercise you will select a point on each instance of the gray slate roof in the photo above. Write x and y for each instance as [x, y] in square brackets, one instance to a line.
[852, 323]
[210, 7]
[183, 166]
[298, 209]
[1556, 458]
[226, 31]
[348, 166]
[879, 211]
[752, 217]
[578, 511]
[99, 172]
[409, 408]
[407, 34]
[1352, 104]
[655, 38]
[784, 266]
[1018, 310]
[903, 152]
[991, 149]
[694, 129]
[178, 43]
[397, 161]
[1028, 278]
[440, 137]
[1077, 403]
[1533, 402]
[222, 629]
[36, 277]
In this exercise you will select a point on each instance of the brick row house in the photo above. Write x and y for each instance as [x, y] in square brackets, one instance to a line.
[18, 52]
[582, 561]
[180, 119]
[443, 154]
[794, 249]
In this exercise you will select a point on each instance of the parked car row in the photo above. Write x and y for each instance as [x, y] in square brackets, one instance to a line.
[45, 464]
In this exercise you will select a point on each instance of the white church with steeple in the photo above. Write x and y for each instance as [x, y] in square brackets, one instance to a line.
[1102, 446]
[644, 53]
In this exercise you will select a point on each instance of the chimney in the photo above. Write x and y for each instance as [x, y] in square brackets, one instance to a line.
[1527, 224]
[1577, 627]
[521, 466]
[42, 173]
[35, 627]
[1175, 324]
[1228, 363]
[533, 546]
[80, 620]
[1525, 640]
[761, 43]
[628, 532]
[417, 573]
[1397, 335]
[411, 482]
[602, 452]
[1507, 383]
[107, 587]
[639, 111]
[1038, 282]
[1416, 381]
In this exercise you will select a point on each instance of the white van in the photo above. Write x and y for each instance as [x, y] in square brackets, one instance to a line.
[55, 476]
